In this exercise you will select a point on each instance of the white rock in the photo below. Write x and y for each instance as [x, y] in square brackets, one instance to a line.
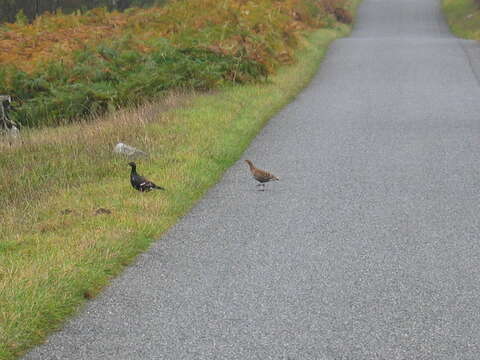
[13, 132]
[128, 150]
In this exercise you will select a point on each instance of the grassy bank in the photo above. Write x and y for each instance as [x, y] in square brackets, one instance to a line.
[57, 249]
[463, 17]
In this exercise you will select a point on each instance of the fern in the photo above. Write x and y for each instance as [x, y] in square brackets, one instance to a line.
[63, 67]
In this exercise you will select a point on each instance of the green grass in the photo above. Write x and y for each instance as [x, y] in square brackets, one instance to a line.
[463, 17]
[51, 260]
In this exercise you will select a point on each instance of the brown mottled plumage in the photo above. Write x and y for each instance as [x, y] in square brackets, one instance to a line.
[261, 176]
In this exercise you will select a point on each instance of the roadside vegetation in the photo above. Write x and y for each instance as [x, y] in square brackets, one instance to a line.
[463, 17]
[63, 67]
[33, 8]
[69, 218]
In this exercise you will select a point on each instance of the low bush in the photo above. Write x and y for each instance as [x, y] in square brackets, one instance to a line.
[65, 67]
[344, 16]
[107, 77]
[337, 9]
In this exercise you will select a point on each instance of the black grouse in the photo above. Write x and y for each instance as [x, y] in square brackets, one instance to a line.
[139, 182]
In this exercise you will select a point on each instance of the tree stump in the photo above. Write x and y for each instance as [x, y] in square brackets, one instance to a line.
[5, 122]
[8, 127]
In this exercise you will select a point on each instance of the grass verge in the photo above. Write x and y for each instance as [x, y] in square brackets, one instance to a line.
[463, 17]
[56, 250]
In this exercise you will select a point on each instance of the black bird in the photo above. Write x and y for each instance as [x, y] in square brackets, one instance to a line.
[139, 182]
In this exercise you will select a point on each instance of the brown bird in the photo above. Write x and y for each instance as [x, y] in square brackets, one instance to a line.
[261, 176]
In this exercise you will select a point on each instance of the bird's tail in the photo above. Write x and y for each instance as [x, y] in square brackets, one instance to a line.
[275, 178]
[158, 187]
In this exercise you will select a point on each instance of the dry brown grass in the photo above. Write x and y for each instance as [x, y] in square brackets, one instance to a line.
[343, 15]
[90, 141]
[338, 9]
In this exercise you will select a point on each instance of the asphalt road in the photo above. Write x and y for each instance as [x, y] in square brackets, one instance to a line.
[368, 247]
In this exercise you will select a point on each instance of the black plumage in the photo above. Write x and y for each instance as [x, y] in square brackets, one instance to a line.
[139, 182]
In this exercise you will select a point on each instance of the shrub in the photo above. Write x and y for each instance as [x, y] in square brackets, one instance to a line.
[343, 16]
[120, 58]
[329, 6]
[105, 78]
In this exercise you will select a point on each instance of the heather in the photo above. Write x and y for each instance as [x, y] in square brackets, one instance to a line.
[65, 67]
